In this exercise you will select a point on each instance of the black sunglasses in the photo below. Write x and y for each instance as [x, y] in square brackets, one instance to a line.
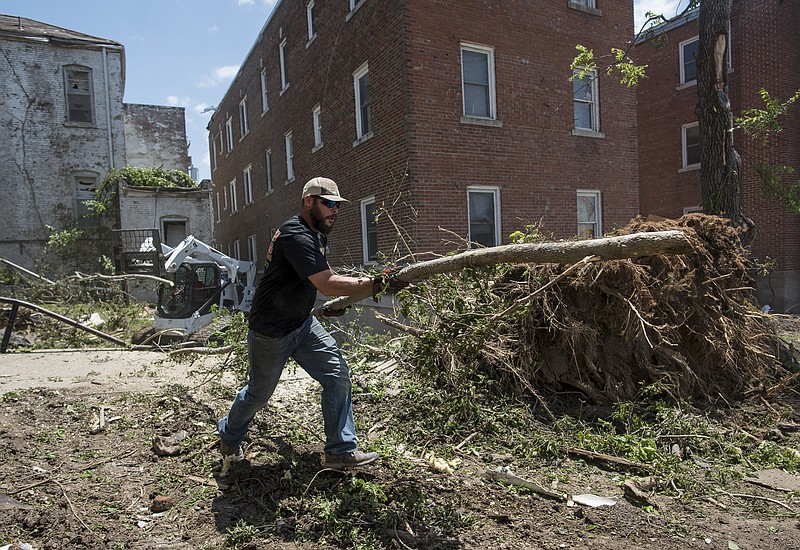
[329, 203]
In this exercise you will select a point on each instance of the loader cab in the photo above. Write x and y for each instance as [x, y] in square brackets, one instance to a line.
[197, 288]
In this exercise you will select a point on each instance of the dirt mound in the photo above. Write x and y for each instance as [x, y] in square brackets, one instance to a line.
[608, 329]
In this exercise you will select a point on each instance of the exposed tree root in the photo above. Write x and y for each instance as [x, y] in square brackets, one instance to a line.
[607, 329]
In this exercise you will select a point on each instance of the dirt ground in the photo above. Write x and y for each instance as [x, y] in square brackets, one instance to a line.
[68, 482]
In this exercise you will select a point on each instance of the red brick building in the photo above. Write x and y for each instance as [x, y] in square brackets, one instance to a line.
[764, 53]
[450, 115]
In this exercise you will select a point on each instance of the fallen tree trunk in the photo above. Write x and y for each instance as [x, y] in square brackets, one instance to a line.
[634, 245]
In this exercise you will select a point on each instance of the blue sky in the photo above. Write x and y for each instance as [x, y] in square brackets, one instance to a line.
[184, 52]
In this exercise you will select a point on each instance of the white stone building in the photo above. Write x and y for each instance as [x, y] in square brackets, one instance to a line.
[63, 126]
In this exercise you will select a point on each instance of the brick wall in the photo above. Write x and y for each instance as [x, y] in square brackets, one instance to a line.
[765, 53]
[150, 208]
[421, 158]
[155, 136]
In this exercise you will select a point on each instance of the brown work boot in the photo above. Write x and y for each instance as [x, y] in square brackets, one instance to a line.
[349, 460]
[230, 453]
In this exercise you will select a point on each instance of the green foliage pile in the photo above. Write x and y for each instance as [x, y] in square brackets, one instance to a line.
[105, 198]
[607, 329]
[77, 299]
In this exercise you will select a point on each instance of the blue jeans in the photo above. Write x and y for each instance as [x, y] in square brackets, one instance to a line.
[316, 352]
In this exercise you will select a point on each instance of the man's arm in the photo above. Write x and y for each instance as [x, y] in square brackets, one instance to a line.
[331, 284]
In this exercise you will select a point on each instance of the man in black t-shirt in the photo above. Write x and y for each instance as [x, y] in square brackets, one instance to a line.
[281, 326]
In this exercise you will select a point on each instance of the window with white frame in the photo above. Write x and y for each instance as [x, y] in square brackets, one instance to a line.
[229, 134]
[310, 23]
[234, 201]
[78, 88]
[244, 125]
[85, 189]
[589, 214]
[477, 81]
[219, 209]
[247, 180]
[237, 252]
[225, 197]
[484, 215]
[264, 97]
[284, 65]
[289, 143]
[584, 96]
[251, 249]
[688, 55]
[363, 105]
[369, 230]
[584, 3]
[317, 121]
[213, 153]
[690, 141]
[355, 3]
[268, 169]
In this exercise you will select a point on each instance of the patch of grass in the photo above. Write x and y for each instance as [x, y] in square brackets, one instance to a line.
[9, 396]
[51, 436]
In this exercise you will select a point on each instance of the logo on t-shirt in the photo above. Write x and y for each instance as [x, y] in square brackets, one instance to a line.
[271, 246]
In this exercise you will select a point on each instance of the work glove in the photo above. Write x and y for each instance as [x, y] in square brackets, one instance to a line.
[328, 312]
[387, 282]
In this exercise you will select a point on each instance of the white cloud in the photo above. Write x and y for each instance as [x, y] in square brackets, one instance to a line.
[228, 71]
[177, 101]
[218, 76]
[248, 2]
[213, 28]
[199, 107]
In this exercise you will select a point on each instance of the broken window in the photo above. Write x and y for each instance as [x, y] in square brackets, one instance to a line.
[85, 188]
[78, 83]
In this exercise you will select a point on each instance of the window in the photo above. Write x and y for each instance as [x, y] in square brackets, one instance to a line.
[363, 106]
[317, 118]
[589, 215]
[584, 3]
[688, 54]
[369, 230]
[251, 248]
[264, 99]
[237, 253]
[247, 177]
[584, 95]
[234, 202]
[289, 156]
[690, 138]
[213, 154]
[268, 169]
[312, 31]
[225, 193]
[229, 134]
[173, 230]
[477, 81]
[244, 126]
[355, 3]
[484, 215]
[284, 67]
[78, 84]
[219, 208]
[85, 188]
